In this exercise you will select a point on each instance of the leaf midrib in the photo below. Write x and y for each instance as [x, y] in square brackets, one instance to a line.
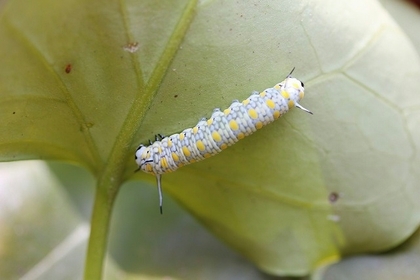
[141, 104]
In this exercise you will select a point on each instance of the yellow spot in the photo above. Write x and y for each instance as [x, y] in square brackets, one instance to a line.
[192, 160]
[226, 111]
[285, 94]
[164, 163]
[216, 136]
[195, 129]
[209, 121]
[175, 157]
[200, 145]
[149, 168]
[277, 87]
[296, 85]
[270, 103]
[276, 114]
[241, 136]
[252, 113]
[291, 103]
[259, 125]
[160, 150]
[223, 146]
[263, 94]
[169, 143]
[207, 155]
[181, 136]
[233, 125]
[301, 94]
[186, 151]
[245, 102]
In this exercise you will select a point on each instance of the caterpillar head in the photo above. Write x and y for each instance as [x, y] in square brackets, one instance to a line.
[144, 159]
[295, 90]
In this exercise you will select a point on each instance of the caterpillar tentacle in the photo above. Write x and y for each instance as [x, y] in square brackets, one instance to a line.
[303, 108]
[223, 129]
[159, 185]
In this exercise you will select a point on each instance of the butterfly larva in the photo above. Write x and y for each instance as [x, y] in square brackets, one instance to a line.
[221, 130]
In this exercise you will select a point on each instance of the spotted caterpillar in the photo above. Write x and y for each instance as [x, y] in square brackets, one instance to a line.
[221, 130]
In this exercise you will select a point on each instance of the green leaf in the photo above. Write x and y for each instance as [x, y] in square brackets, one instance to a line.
[401, 262]
[267, 196]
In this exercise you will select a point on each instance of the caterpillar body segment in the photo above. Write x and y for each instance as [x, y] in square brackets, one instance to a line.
[223, 129]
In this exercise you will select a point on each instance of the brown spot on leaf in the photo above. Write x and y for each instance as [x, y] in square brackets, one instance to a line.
[333, 197]
[68, 68]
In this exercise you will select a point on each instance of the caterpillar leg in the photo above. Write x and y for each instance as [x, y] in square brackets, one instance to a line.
[158, 179]
[159, 137]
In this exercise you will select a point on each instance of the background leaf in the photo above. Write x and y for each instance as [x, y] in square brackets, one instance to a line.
[43, 235]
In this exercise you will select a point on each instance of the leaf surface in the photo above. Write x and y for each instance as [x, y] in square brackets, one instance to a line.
[294, 196]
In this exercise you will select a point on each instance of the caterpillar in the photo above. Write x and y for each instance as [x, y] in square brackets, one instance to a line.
[223, 129]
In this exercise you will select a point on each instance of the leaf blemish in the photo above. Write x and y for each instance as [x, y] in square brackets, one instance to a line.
[333, 197]
[131, 47]
[68, 68]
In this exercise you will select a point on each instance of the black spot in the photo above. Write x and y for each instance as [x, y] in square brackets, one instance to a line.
[302, 84]
[333, 197]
